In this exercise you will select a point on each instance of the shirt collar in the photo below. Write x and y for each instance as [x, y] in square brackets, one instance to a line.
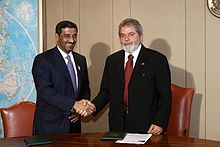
[65, 54]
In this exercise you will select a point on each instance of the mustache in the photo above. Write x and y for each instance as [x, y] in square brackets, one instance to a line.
[72, 43]
[128, 43]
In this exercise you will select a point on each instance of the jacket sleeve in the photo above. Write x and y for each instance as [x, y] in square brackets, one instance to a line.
[101, 100]
[45, 86]
[163, 88]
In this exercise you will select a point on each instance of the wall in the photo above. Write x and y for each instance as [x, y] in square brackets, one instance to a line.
[184, 30]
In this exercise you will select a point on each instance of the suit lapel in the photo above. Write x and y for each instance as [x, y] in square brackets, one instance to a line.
[78, 68]
[120, 66]
[60, 64]
[140, 63]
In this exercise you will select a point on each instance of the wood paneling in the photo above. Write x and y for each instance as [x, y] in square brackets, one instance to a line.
[212, 76]
[96, 44]
[54, 13]
[195, 63]
[183, 30]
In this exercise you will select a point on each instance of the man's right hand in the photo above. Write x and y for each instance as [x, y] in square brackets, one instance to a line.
[84, 107]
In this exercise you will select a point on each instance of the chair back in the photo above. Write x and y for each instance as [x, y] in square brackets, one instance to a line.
[179, 122]
[18, 119]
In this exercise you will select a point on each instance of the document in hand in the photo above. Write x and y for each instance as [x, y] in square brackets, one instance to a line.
[134, 138]
[36, 140]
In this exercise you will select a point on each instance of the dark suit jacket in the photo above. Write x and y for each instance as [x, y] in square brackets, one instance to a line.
[54, 92]
[149, 92]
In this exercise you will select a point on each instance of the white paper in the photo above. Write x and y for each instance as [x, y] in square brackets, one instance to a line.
[134, 138]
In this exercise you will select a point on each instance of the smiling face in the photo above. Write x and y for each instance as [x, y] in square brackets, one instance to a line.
[129, 38]
[67, 39]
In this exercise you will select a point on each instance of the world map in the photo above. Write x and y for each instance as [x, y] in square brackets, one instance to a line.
[18, 47]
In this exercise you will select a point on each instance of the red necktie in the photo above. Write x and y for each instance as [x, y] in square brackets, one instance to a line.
[128, 72]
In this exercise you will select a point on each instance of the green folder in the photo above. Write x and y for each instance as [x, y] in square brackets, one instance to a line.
[36, 140]
[113, 136]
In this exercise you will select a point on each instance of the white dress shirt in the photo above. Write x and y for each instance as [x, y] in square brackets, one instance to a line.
[73, 61]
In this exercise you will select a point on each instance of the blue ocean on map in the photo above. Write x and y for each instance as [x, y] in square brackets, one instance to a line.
[18, 47]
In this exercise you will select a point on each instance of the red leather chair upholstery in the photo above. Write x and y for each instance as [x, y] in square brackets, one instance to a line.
[179, 122]
[18, 119]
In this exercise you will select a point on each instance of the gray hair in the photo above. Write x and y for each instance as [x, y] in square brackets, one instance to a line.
[131, 22]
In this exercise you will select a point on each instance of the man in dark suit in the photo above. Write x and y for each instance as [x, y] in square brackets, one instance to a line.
[140, 102]
[59, 91]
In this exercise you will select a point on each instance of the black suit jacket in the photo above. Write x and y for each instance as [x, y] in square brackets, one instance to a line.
[149, 92]
[54, 92]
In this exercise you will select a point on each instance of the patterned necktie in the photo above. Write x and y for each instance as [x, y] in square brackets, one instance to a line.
[72, 75]
[128, 72]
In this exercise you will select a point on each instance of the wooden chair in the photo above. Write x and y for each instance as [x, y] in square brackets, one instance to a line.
[18, 119]
[179, 122]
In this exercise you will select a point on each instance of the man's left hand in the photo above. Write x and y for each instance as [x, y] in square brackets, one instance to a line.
[74, 117]
[155, 130]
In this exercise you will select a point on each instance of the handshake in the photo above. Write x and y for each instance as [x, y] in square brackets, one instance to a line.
[82, 108]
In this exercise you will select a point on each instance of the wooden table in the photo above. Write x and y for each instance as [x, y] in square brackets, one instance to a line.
[93, 140]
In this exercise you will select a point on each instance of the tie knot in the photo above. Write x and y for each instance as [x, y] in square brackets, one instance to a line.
[130, 57]
[68, 57]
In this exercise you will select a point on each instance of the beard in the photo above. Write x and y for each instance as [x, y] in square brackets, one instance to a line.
[131, 47]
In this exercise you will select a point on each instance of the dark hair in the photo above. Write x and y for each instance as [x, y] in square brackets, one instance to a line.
[65, 24]
[131, 22]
